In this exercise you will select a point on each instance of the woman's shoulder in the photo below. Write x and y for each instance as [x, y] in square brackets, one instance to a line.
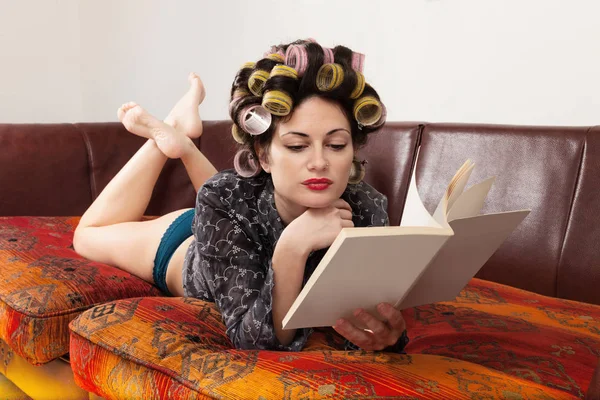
[364, 193]
[227, 187]
[369, 206]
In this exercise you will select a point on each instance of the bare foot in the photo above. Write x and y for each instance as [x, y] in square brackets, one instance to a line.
[136, 120]
[184, 117]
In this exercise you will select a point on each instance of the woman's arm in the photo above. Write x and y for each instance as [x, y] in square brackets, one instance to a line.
[288, 263]
[314, 229]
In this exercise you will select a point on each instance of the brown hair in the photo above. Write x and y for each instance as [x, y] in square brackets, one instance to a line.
[299, 90]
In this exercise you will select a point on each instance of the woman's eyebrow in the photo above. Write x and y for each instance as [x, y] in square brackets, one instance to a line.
[306, 135]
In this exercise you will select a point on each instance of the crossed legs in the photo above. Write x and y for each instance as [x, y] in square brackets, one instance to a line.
[110, 231]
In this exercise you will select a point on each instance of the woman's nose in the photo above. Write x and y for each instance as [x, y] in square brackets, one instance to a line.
[318, 161]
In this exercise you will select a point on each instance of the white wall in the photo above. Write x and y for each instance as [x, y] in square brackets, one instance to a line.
[504, 61]
[39, 61]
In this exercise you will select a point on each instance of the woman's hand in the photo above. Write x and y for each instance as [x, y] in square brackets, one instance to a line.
[383, 334]
[317, 228]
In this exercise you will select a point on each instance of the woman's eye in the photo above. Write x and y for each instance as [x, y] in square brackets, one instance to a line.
[295, 148]
[337, 147]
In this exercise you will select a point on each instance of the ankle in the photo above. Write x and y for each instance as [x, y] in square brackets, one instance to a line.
[154, 149]
[190, 150]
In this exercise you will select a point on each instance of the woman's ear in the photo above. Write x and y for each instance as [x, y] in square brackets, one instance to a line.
[263, 159]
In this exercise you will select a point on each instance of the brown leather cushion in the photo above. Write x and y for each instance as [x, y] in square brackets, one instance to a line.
[536, 168]
[389, 154]
[579, 269]
[109, 146]
[217, 144]
[43, 170]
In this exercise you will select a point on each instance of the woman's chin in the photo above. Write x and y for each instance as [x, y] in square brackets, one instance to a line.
[318, 200]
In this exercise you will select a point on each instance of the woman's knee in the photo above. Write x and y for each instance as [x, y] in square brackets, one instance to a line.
[80, 237]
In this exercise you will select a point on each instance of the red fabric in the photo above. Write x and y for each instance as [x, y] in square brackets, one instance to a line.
[545, 340]
[176, 348]
[44, 285]
[491, 341]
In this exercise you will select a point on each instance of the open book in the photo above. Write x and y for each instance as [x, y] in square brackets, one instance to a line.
[426, 259]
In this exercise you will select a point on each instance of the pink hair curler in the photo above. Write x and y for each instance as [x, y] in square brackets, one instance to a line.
[328, 53]
[358, 61]
[245, 164]
[297, 58]
[255, 119]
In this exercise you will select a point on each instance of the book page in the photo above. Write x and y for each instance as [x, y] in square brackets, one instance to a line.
[362, 268]
[458, 185]
[415, 213]
[455, 188]
[470, 202]
[475, 240]
[457, 176]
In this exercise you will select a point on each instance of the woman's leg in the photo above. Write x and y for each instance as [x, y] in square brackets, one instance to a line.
[110, 230]
[184, 117]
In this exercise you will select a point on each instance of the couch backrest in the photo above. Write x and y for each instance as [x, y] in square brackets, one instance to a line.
[43, 170]
[578, 274]
[536, 168]
[58, 169]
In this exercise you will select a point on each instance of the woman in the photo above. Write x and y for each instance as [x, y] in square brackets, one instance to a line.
[257, 233]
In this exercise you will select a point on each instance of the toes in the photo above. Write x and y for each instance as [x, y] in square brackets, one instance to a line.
[195, 81]
[130, 105]
[135, 113]
[131, 117]
[124, 108]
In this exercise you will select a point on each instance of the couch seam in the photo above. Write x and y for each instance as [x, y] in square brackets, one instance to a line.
[138, 361]
[71, 311]
[90, 157]
[570, 213]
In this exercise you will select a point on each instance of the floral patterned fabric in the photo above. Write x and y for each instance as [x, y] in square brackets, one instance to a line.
[236, 227]
[44, 285]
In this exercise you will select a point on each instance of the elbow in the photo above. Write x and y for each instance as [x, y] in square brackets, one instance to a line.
[285, 338]
[262, 341]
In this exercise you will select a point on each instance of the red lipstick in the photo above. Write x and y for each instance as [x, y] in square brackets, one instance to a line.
[317, 183]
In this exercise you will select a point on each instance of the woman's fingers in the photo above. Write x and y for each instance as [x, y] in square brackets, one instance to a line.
[393, 316]
[379, 329]
[342, 205]
[347, 224]
[356, 335]
[345, 214]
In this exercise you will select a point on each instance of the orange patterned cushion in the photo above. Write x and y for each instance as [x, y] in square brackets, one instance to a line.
[546, 340]
[44, 285]
[175, 348]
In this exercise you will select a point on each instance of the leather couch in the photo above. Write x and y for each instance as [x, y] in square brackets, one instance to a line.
[76, 329]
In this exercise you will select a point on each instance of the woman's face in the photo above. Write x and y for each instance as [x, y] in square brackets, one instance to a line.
[310, 158]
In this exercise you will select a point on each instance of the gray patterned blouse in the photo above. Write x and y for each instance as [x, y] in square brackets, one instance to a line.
[236, 227]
